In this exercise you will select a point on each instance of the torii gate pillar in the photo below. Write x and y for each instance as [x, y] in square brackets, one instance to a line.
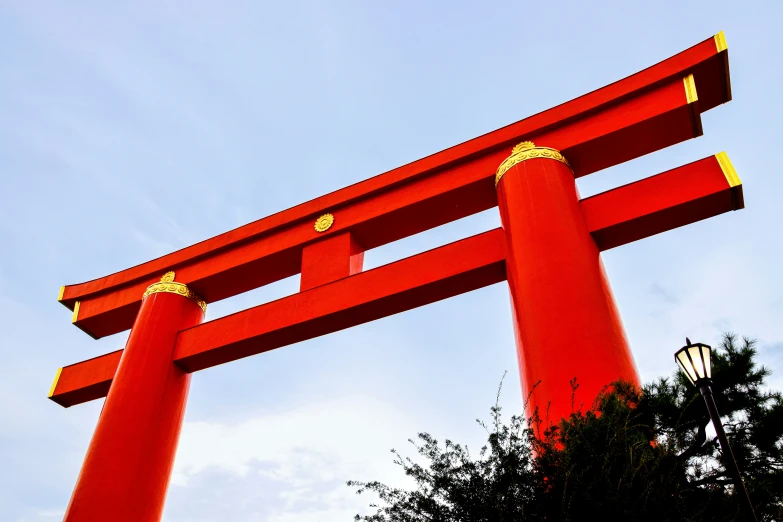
[126, 471]
[565, 319]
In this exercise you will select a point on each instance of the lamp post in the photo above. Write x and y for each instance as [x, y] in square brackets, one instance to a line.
[695, 361]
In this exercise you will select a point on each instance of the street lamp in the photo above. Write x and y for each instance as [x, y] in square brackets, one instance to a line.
[695, 361]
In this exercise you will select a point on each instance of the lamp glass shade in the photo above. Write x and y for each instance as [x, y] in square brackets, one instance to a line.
[685, 365]
[695, 361]
[707, 354]
[695, 355]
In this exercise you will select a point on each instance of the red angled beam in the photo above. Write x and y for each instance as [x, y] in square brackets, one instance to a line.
[85, 381]
[684, 195]
[642, 113]
[438, 274]
[415, 281]
[675, 198]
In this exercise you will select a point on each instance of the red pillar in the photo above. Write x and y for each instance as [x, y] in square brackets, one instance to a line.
[126, 472]
[566, 321]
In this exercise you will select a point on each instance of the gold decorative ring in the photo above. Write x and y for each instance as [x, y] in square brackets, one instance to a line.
[167, 284]
[525, 151]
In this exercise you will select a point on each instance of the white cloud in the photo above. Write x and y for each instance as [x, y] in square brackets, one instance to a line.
[308, 451]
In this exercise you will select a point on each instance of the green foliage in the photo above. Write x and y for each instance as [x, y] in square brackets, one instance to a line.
[604, 465]
[752, 416]
[496, 486]
[635, 454]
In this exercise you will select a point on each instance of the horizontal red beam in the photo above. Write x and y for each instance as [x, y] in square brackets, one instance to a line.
[675, 198]
[415, 281]
[640, 114]
[708, 61]
[85, 381]
[444, 272]
[684, 195]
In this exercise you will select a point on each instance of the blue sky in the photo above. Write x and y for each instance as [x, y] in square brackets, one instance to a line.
[129, 132]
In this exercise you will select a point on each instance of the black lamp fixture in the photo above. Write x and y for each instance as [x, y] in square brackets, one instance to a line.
[695, 361]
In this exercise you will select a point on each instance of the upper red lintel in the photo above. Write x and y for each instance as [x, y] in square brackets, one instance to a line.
[707, 61]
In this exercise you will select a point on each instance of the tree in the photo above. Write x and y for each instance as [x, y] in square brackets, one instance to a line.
[635, 454]
[498, 485]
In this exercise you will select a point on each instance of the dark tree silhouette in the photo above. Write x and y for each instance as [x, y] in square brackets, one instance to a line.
[635, 454]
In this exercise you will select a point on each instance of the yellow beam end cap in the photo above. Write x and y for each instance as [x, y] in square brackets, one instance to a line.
[54, 384]
[690, 89]
[728, 169]
[720, 42]
[75, 312]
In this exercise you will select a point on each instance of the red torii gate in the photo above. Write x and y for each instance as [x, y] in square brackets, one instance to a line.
[565, 318]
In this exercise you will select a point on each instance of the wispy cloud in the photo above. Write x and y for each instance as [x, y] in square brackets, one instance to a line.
[304, 455]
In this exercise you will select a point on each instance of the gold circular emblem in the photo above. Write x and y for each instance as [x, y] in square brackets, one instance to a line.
[168, 277]
[323, 223]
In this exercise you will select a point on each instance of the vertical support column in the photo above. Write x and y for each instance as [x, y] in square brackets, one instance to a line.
[567, 324]
[126, 471]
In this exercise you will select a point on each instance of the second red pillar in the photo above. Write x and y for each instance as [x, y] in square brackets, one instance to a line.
[567, 324]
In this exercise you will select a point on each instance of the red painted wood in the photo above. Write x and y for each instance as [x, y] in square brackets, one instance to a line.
[444, 272]
[659, 203]
[330, 259]
[669, 200]
[646, 123]
[545, 247]
[709, 68]
[637, 125]
[566, 322]
[126, 472]
[86, 380]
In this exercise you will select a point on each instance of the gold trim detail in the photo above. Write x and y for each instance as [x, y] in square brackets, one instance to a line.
[324, 223]
[690, 89]
[168, 285]
[720, 42]
[60, 295]
[56, 380]
[728, 169]
[75, 316]
[525, 151]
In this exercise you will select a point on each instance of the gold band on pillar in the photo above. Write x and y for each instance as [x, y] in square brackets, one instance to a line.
[525, 151]
[167, 284]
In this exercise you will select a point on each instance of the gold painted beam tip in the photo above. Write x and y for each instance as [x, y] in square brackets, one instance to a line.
[728, 169]
[75, 312]
[690, 89]
[720, 42]
[60, 295]
[54, 384]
